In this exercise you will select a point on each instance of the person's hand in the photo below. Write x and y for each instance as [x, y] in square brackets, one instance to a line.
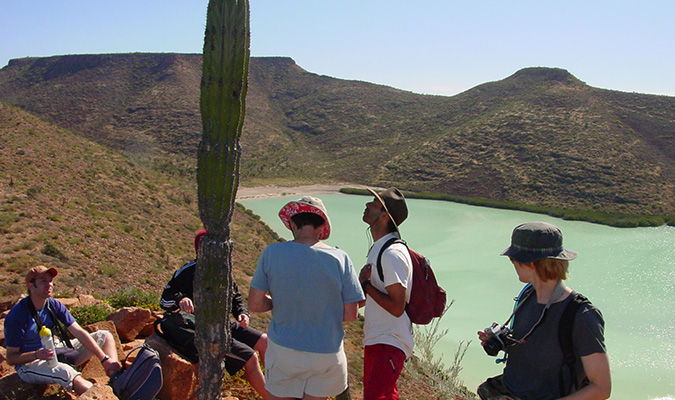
[111, 366]
[44, 354]
[364, 275]
[243, 320]
[186, 305]
[483, 337]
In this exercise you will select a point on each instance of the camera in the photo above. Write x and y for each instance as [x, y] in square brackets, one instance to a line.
[500, 337]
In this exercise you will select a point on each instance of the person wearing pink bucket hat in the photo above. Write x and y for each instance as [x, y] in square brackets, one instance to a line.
[311, 288]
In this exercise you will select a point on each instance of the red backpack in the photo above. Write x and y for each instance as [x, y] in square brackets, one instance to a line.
[427, 299]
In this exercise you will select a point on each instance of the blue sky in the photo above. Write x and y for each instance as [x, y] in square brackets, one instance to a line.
[425, 46]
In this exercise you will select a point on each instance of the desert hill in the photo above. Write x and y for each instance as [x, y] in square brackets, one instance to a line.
[539, 136]
[105, 221]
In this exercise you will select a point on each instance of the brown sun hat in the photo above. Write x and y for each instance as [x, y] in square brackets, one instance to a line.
[393, 202]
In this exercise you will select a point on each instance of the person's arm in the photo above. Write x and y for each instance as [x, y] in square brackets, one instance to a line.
[178, 289]
[350, 311]
[259, 301]
[238, 307]
[14, 357]
[393, 301]
[596, 366]
[109, 361]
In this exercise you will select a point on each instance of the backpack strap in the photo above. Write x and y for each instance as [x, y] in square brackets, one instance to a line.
[60, 330]
[565, 327]
[386, 244]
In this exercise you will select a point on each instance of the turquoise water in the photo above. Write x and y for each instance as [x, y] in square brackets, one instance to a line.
[629, 274]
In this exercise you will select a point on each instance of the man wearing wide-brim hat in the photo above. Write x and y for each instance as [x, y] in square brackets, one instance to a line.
[536, 367]
[24, 348]
[387, 328]
[311, 288]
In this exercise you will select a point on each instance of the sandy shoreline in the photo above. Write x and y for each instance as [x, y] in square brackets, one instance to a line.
[258, 192]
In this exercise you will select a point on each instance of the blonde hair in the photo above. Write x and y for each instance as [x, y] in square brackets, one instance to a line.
[551, 269]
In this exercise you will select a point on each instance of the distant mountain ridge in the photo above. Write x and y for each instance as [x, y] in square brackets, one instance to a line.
[540, 136]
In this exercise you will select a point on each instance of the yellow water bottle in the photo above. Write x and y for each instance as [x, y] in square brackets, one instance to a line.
[48, 343]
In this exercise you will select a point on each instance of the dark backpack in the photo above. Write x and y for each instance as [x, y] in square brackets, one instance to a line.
[178, 329]
[571, 377]
[572, 370]
[143, 379]
[427, 299]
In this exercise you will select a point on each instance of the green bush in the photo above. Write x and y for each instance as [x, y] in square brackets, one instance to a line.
[134, 297]
[52, 251]
[86, 315]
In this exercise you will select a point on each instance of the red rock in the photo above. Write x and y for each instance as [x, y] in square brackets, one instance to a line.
[129, 321]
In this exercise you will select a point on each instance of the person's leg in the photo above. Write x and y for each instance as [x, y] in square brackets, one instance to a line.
[81, 385]
[255, 377]
[261, 347]
[242, 356]
[251, 337]
[40, 372]
[103, 339]
[382, 367]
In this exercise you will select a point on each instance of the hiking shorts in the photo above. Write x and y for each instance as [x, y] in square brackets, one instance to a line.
[382, 365]
[494, 389]
[39, 371]
[293, 373]
[241, 349]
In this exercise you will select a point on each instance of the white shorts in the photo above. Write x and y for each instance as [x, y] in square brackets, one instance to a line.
[39, 371]
[293, 373]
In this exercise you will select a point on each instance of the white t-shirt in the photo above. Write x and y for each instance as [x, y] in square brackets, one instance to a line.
[380, 326]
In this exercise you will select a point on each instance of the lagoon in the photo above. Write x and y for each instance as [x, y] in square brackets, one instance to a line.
[629, 274]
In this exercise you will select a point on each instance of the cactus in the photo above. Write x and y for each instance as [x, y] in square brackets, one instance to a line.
[222, 103]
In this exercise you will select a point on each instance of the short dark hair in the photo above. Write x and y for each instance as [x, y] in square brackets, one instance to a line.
[307, 218]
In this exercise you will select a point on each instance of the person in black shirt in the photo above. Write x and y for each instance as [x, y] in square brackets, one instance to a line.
[178, 295]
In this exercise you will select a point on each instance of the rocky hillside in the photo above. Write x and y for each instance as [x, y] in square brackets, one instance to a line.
[538, 137]
[95, 214]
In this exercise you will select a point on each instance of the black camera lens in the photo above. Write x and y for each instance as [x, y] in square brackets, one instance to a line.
[493, 346]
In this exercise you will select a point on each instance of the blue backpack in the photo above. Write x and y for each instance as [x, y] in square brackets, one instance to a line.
[143, 379]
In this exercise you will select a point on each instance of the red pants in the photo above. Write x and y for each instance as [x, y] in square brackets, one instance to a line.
[382, 365]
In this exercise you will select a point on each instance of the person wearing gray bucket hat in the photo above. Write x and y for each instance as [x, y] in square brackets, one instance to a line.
[311, 288]
[555, 343]
[387, 328]
[537, 240]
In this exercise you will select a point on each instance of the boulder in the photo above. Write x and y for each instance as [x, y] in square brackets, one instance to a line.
[98, 392]
[89, 300]
[129, 321]
[5, 369]
[149, 329]
[180, 376]
[13, 388]
[7, 302]
[69, 302]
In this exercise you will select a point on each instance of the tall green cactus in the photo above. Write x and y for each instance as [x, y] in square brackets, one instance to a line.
[223, 93]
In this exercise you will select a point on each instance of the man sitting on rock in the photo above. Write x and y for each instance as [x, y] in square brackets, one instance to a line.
[24, 348]
[178, 295]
